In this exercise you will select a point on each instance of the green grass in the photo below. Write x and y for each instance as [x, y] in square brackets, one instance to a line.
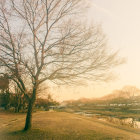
[62, 126]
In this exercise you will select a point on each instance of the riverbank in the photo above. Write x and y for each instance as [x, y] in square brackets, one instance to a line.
[63, 126]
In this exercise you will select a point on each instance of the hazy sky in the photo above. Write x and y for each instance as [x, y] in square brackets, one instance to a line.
[120, 20]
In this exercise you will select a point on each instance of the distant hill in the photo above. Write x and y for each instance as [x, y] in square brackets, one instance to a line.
[81, 100]
[116, 94]
[126, 92]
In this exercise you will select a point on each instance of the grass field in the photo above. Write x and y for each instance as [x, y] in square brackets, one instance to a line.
[62, 126]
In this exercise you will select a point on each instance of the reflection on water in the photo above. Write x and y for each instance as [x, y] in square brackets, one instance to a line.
[135, 123]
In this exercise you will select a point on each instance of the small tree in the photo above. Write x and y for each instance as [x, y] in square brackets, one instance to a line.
[42, 40]
[45, 102]
[5, 100]
[4, 83]
[18, 100]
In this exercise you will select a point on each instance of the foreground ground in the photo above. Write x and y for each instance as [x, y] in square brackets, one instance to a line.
[62, 126]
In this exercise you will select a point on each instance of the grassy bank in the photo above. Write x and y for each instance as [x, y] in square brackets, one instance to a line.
[62, 126]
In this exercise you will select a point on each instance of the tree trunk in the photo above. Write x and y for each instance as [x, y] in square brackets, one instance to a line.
[28, 122]
[29, 116]
[15, 109]
[19, 107]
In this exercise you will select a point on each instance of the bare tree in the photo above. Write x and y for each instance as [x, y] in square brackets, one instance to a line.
[46, 40]
[131, 91]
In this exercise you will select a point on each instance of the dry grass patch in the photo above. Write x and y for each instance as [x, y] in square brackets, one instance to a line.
[63, 126]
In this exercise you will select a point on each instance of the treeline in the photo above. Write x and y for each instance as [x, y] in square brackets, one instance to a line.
[17, 102]
[126, 99]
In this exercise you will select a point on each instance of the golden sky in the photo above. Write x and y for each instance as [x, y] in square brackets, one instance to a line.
[120, 20]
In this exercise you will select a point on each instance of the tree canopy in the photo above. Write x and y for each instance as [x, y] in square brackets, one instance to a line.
[47, 40]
